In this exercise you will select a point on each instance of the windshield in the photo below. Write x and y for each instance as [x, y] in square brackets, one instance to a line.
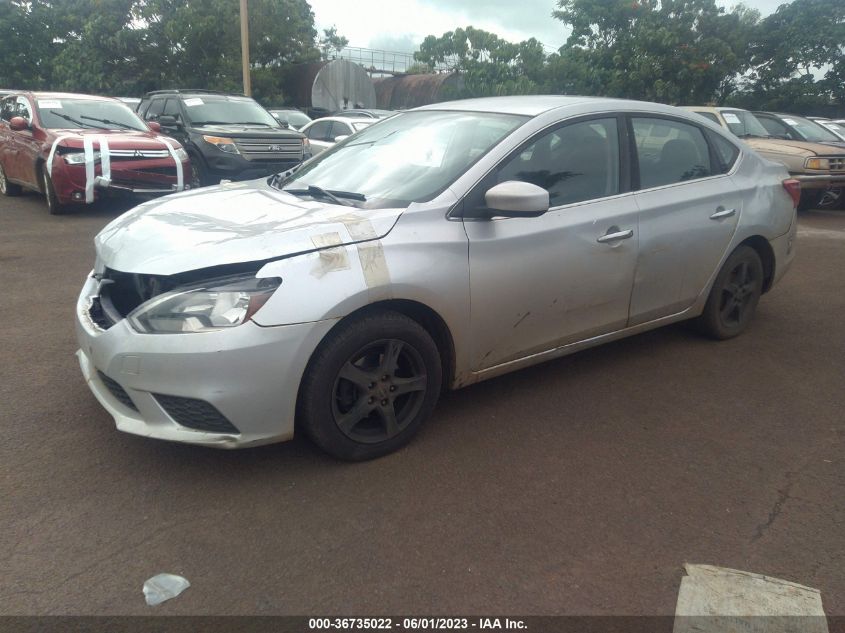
[743, 123]
[87, 114]
[219, 110]
[407, 158]
[830, 125]
[810, 130]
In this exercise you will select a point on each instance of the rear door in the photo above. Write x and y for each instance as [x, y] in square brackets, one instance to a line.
[7, 147]
[689, 211]
[540, 283]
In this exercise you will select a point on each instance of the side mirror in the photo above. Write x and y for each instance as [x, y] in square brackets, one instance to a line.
[167, 120]
[283, 124]
[155, 126]
[340, 137]
[18, 124]
[517, 199]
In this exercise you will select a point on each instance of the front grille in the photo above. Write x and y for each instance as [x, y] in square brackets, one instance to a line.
[270, 149]
[195, 414]
[117, 391]
[837, 163]
[165, 171]
[138, 154]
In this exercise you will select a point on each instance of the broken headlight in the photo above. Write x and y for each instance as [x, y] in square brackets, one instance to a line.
[205, 307]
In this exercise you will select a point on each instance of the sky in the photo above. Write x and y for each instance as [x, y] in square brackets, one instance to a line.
[400, 25]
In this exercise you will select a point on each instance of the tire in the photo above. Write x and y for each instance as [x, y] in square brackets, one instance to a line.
[370, 386]
[53, 204]
[831, 198]
[199, 173]
[8, 188]
[734, 295]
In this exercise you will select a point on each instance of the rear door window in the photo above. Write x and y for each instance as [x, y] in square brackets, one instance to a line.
[669, 152]
[726, 152]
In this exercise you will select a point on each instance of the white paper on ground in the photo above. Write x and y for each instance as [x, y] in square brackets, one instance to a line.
[163, 587]
[718, 599]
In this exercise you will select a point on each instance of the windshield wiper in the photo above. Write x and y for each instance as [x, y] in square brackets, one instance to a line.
[71, 119]
[329, 194]
[107, 121]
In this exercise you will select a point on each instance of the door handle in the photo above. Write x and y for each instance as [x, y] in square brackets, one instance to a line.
[615, 236]
[721, 212]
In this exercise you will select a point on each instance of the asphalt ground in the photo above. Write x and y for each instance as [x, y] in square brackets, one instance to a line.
[580, 486]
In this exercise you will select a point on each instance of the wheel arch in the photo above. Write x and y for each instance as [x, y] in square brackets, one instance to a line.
[767, 256]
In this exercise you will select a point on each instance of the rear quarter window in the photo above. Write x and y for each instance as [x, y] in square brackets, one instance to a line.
[726, 152]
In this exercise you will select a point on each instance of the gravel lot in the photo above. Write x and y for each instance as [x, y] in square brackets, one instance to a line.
[580, 486]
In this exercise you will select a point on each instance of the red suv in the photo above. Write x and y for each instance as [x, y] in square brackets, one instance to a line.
[75, 148]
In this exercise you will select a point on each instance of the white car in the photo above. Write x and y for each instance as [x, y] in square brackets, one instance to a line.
[441, 247]
[324, 133]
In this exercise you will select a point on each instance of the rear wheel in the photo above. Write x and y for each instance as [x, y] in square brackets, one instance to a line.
[734, 296]
[8, 188]
[370, 386]
[53, 204]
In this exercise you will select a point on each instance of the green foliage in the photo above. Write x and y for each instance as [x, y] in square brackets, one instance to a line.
[127, 47]
[331, 43]
[489, 64]
[672, 51]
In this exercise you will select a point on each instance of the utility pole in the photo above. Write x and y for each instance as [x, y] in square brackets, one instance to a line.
[245, 47]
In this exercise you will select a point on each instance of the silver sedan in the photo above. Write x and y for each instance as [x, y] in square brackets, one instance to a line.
[432, 250]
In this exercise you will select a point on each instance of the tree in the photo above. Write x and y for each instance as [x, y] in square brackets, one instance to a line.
[331, 42]
[489, 64]
[674, 51]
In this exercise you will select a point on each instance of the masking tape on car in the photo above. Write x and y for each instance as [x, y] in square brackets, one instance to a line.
[105, 162]
[88, 147]
[370, 250]
[52, 153]
[180, 182]
[332, 257]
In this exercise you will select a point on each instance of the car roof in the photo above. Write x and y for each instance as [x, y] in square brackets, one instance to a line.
[534, 105]
[68, 95]
[343, 119]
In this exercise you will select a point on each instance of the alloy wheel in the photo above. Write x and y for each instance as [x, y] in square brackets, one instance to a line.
[379, 391]
[737, 294]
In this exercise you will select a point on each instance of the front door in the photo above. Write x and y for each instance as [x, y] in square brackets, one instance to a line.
[539, 283]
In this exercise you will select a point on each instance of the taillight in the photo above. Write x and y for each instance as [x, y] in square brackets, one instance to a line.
[793, 188]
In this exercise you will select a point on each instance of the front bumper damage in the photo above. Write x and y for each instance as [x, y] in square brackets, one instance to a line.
[248, 374]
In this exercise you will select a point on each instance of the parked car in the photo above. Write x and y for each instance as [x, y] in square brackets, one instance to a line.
[227, 136]
[796, 128]
[833, 126]
[364, 113]
[444, 246]
[74, 148]
[818, 167]
[294, 118]
[324, 133]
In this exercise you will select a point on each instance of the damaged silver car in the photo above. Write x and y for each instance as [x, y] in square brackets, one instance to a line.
[435, 249]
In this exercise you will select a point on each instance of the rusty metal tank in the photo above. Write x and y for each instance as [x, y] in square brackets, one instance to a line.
[410, 91]
[332, 85]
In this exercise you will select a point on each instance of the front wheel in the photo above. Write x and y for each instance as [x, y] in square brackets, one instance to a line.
[734, 296]
[370, 386]
[53, 205]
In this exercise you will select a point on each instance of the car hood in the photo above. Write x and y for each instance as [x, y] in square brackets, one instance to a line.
[117, 139]
[232, 223]
[793, 148]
